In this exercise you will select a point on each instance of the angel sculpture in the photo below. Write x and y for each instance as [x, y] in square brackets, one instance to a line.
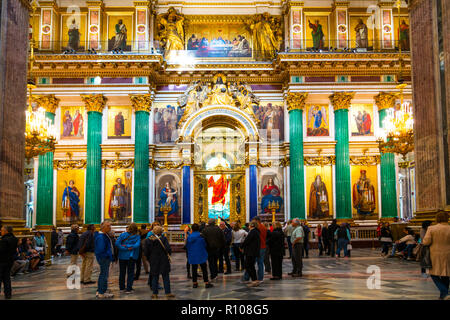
[317, 121]
[171, 32]
[245, 101]
[191, 100]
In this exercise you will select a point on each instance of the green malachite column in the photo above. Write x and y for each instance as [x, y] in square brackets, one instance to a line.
[341, 102]
[142, 106]
[94, 106]
[44, 194]
[384, 102]
[296, 104]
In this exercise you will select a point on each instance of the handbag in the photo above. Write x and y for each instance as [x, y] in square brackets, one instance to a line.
[349, 247]
[417, 251]
[386, 239]
[425, 262]
[168, 255]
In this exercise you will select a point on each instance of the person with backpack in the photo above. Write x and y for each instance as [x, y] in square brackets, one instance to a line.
[343, 239]
[87, 251]
[104, 253]
[331, 236]
[141, 259]
[128, 245]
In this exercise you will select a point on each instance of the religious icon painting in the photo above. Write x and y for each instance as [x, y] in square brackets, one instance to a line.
[361, 120]
[168, 196]
[271, 191]
[118, 195]
[364, 192]
[318, 122]
[166, 118]
[120, 32]
[70, 197]
[73, 32]
[72, 122]
[271, 119]
[119, 122]
[361, 32]
[316, 32]
[319, 192]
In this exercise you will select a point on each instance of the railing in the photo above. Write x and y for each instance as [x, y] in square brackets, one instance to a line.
[214, 51]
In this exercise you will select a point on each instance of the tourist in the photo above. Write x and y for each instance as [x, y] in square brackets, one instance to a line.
[288, 232]
[8, 247]
[157, 250]
[197, 255]
[187, 232]
[267, 266]
[224, 252]
[128, 245]
[72, 244]
[397, 229]
[349, 244]
[263, 235]
[405, 244]
[104, 252]
[53, 241]
[297, 249]
[343, 239]
[27, 252]
[326, 239]
[318, 233]
[305, 239]
[40, 243]
[251, 247]
[331, 236]
[385, 238]
[141, 258]
[20, 265]
[238, 237]
[215, 240]
[438, 238]
[275, 243]
[60, 242]
[87, 252]
[423, 231]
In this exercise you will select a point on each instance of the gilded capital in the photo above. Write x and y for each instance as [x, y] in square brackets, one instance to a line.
[141, 102]
[48, 102]
[296, 100]
[385, 100]
[341, 100]
[94, 102]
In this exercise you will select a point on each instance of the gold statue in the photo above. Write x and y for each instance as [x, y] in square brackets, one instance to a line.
[171, 31]
[267, 36]
[219, 94]
[192, 99]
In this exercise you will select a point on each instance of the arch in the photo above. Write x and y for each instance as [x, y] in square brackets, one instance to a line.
[219, 114]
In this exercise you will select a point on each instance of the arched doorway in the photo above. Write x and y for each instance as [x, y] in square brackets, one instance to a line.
[223, 140]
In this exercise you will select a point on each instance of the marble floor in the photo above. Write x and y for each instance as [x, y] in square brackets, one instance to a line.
[324, 278]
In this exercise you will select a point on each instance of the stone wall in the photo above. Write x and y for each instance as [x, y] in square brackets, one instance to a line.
[13, 78]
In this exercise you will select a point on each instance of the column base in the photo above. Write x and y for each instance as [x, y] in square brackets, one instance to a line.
[421, 216]
[386, 219]
[350, 221]
[18, 226]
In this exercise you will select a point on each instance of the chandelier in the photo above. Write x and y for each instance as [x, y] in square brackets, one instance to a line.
[397, 134]
[40, 133]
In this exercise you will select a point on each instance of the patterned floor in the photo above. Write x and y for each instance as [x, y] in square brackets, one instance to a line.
[324, 279]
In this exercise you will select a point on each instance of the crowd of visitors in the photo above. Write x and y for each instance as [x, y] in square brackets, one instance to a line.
[256, 249]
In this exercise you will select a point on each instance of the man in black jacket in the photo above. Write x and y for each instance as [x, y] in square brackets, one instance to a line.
[87, 252]
[225, 251]
[331, 230]
[8, 248]
[251, 248]
[72, 244]
[215, 241]
[54, 241]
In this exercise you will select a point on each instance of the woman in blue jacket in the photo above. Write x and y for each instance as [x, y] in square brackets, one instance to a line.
[129, 244]
[197, 255]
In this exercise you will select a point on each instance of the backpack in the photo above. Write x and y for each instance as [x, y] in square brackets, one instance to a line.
[342, 233]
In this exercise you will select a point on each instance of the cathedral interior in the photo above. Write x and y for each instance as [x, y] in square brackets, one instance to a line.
[181, 111]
